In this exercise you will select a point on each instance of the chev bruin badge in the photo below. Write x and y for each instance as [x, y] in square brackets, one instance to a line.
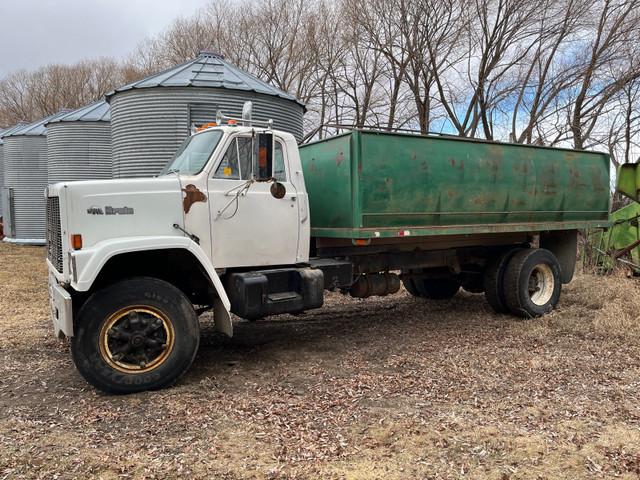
[118, 211]
[95, 211]
[110, 211]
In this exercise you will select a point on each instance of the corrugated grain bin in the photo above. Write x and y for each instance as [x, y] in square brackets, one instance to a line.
[2, 134]
[151, 118]
[25, 178]
[1, 168]
[79, 145]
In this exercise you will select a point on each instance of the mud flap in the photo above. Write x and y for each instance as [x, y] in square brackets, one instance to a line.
[222, 318]
[564, 246]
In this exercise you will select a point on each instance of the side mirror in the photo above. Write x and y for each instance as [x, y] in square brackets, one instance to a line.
[265, 157]
[278, 190]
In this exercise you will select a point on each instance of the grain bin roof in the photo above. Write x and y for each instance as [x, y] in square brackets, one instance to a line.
[94, 112]
[37, 128]
[10, 130]
[209, 69]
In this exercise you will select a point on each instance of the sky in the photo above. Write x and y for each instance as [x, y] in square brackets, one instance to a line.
[34, 33]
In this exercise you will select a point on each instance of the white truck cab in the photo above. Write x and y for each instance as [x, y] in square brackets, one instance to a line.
[130, 259]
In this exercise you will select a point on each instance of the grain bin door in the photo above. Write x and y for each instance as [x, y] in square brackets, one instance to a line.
[8, 212]
[249, 227]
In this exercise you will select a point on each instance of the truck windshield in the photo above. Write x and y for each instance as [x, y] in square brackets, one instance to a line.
[193, 154]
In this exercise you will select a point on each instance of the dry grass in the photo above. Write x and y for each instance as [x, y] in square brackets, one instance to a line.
[388, 388]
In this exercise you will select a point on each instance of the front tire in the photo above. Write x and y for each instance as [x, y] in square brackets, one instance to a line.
[137, 334]
[532, 283]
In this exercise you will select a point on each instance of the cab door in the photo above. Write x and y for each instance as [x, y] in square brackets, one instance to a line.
[249, 227]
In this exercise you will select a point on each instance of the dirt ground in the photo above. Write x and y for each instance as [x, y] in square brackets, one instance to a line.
[384, 388]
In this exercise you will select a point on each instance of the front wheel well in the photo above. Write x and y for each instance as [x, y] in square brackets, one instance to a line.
[176, 266]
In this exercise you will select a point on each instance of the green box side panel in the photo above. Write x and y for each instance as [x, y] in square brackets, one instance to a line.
[418, 182]
[327, 167]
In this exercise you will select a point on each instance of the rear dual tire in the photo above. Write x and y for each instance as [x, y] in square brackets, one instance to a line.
[494, 280]
[525, 282]
[409, 283]
[433, 288]
[532, 283]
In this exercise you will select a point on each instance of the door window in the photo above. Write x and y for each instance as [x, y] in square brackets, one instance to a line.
[279, 172]
[236, 162]
[240, 155]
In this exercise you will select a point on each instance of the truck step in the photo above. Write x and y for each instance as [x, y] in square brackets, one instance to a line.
[261, 293]
[282, 296]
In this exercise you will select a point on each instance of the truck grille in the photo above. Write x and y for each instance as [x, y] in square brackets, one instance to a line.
[54, 235]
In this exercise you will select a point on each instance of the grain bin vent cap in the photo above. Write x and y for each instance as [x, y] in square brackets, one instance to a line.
[37, 128]
[209, 69]
[94, 112]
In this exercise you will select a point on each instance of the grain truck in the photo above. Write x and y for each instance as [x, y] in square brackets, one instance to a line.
[244, 221]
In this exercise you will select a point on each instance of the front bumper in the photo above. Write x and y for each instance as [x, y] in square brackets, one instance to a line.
[61, 308]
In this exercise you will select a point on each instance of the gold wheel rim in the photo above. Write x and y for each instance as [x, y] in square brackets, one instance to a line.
[136, 339]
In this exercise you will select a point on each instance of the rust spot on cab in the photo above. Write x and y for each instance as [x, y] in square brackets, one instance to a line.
[191, 196]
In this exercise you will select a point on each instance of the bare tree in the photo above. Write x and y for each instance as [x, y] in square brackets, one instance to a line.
[377, 24]
[15, 102]
[327, 48]
[181, 41]
[623, 136]
[549, 71]
[615, 26]
[498, 38]
[33, 95]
